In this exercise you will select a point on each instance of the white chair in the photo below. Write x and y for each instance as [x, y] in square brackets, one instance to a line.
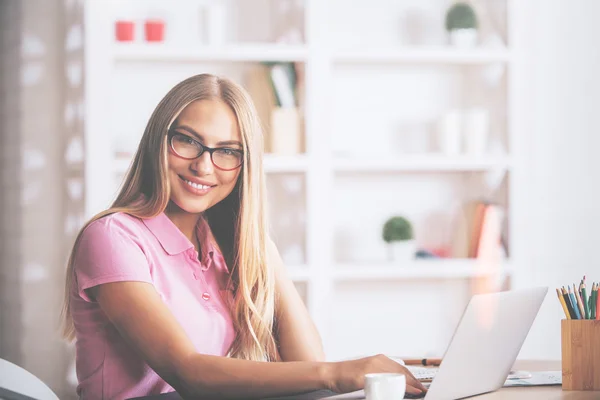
[20, 381]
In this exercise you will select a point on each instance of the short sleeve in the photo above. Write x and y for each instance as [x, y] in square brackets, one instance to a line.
[107, 252]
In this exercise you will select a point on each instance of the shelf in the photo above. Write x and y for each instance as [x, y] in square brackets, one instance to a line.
[421, 163]
[443, 55]
[272, 164]
[299, 163]
[417, 269]
[162, 52]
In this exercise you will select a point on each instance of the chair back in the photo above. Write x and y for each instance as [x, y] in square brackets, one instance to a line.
[17, 383]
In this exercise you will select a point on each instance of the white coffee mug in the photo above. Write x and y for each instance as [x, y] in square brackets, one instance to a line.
[385, 386]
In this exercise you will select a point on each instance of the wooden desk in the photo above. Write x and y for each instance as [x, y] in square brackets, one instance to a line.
[512, 393]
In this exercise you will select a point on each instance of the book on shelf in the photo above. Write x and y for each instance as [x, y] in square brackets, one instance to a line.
[257, 82]
[275, 89]
[479, 231]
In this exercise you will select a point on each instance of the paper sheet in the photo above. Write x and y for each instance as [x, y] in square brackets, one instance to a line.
[541, 378]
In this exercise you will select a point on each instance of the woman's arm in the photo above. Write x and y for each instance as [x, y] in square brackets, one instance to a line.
[140, 316]
[297, 336]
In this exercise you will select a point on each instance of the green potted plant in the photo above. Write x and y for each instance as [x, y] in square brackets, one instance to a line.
[462, 25]
[399, 236]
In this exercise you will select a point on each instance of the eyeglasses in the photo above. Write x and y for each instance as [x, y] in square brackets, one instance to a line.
[223, 158]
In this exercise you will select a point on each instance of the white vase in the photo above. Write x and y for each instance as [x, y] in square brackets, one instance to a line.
[449, 132]
[215, 21]
[463, 38]
[402, 251]
[476, 130]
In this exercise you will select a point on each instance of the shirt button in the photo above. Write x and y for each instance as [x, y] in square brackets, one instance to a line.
[206, 296]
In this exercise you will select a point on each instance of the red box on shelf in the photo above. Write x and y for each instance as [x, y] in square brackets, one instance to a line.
[154, 30]
[124, 31]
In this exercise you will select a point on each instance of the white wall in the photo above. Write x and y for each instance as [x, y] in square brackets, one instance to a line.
[564, 197]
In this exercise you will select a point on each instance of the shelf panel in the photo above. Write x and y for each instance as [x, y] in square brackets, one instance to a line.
[162, 52]
[421, 163]
[441, 55]
[418, 269]
[299, 163]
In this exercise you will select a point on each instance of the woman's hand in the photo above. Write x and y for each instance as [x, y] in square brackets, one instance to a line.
[348, 376]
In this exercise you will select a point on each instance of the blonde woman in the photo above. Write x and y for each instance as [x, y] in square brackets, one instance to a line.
[177, 287]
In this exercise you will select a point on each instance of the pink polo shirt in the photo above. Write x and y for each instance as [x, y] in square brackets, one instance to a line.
[120, 247]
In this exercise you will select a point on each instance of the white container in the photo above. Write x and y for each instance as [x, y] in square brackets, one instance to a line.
[463, 38]
[285, 133]
[402, 251]
[476, 131]
[449, 133]
[215, 23]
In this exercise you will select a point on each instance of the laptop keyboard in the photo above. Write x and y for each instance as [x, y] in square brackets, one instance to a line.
[423, 374]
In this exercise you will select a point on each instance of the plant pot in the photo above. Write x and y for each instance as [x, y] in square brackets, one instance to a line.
[463, 38]
[402, 251]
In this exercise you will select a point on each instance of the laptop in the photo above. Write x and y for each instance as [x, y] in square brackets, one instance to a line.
[486, 343]
[482, 350]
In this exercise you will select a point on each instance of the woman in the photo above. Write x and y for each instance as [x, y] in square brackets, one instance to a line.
[178, 287]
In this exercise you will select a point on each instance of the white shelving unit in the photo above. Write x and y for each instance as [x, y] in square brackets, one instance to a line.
[421, 269]
[322, 274]
[271, 164]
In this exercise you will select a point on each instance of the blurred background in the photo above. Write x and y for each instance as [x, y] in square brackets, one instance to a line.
[416, 152]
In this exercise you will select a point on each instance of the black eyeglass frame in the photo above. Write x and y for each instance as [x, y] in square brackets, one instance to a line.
[203, 149]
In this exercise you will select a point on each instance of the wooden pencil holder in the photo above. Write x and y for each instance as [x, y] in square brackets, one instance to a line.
[580, 346]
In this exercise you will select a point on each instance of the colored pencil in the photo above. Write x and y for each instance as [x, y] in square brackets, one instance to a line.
[574, 304]
[585, 300]
[568, 303]
[563, 304]
[579, 302]
[597, 304]
[593, 301]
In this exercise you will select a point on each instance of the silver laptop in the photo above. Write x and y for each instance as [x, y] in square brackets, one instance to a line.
[486, 343]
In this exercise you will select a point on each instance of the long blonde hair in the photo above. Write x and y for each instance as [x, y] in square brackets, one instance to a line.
[238, 222]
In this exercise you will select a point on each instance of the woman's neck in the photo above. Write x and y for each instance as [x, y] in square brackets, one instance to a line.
[183, 220]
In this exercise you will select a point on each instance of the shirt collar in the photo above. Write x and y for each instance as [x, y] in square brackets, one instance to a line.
[173, 241]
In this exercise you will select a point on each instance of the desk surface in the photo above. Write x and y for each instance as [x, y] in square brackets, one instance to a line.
[538, 392]
[512, 393]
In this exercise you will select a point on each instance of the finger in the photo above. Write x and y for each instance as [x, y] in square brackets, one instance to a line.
[412, 381]
[413, 390]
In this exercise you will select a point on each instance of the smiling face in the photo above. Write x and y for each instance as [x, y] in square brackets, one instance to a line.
[198, 184]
